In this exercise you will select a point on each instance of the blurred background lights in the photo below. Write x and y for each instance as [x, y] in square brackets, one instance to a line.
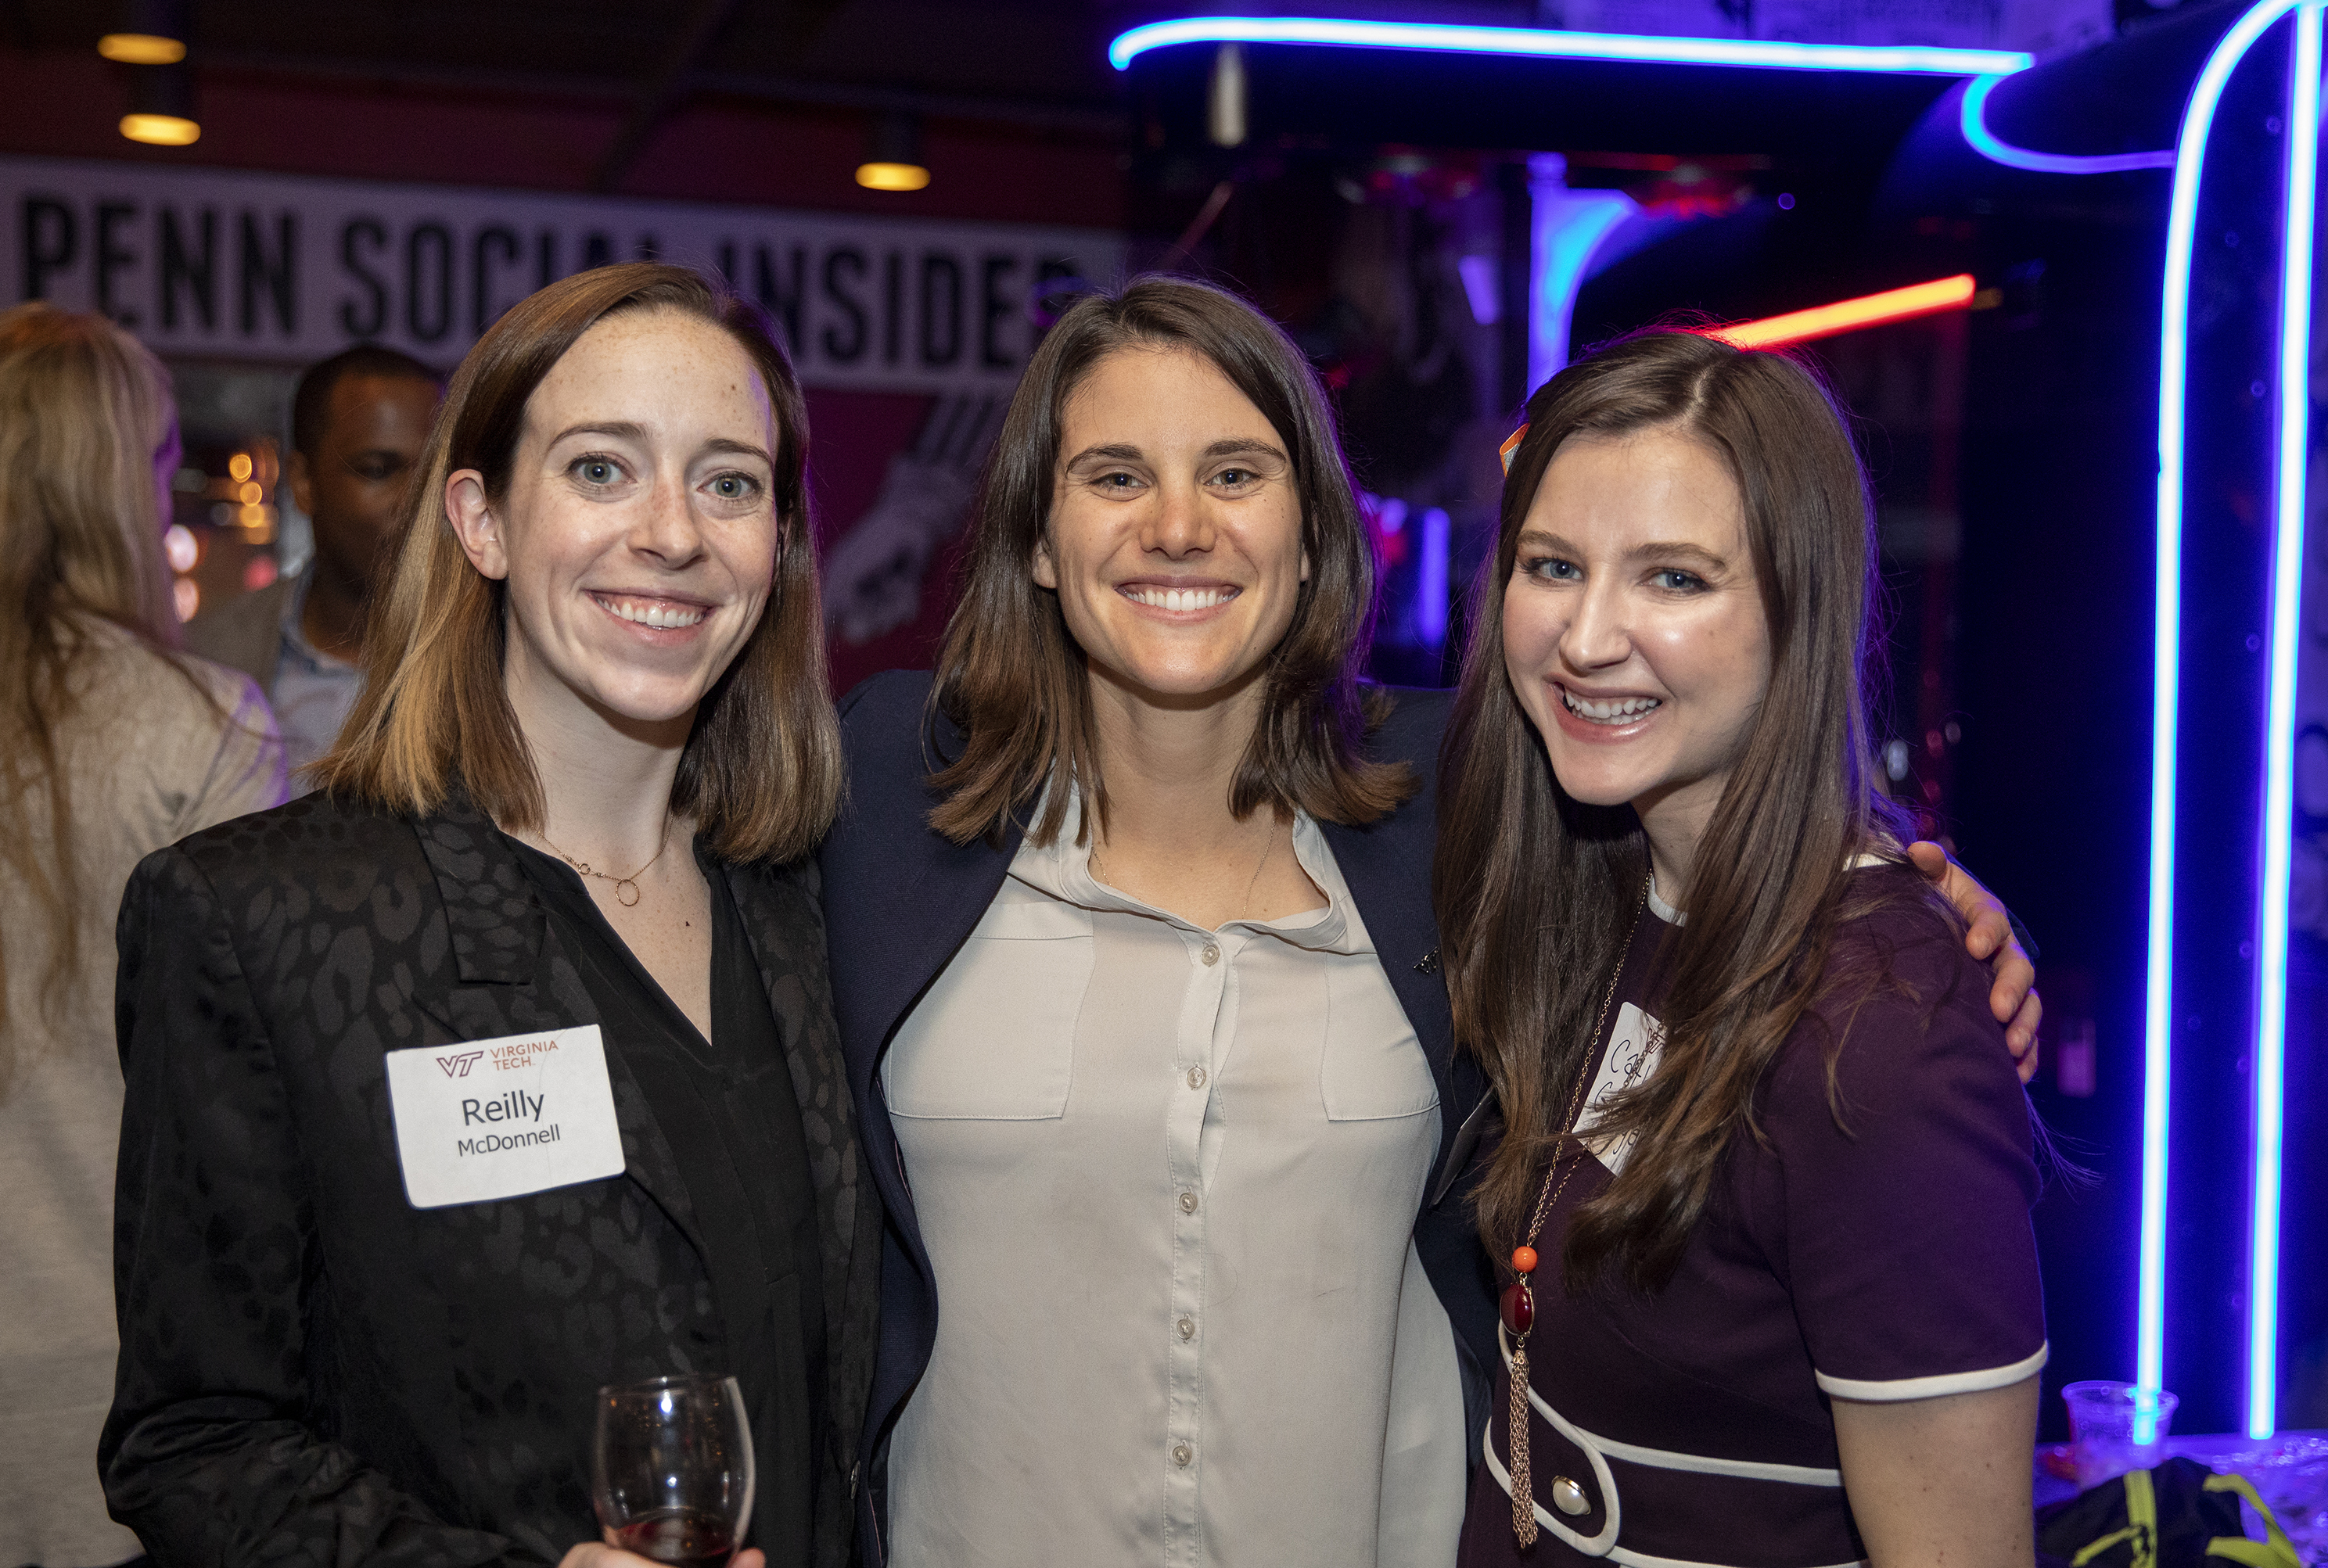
[883, 176]
[161, 130]
[141, 49]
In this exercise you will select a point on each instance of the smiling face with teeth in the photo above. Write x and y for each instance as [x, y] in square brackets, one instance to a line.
[638, 535]
[1175, 539]
[1634, 630]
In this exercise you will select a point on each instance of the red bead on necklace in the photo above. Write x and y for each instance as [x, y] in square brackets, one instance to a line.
[1518, 1308]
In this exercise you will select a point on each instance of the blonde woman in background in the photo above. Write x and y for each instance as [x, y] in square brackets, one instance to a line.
[112, 744]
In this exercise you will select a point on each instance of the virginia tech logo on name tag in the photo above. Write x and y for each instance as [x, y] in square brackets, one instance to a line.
[503, 1118]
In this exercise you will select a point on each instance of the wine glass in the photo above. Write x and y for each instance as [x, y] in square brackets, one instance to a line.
[671, 1471]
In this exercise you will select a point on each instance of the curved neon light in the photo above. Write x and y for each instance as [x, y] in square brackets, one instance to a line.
[2279, 722]
[2167, 674]
[1557, 44]
[1973, 117]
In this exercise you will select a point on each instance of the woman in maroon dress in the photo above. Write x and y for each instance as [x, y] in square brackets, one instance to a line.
[1762, 1205]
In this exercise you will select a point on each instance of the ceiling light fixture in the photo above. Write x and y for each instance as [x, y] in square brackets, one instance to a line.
[893, 154]
[152, 43]
[142, 49]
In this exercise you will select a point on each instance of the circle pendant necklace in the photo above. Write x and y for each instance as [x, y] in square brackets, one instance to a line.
[621, 883]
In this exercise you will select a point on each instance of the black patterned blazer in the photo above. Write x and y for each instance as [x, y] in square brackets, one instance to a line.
[312, 1370]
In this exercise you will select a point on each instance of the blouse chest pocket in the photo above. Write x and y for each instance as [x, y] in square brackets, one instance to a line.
[994, 1037]
[1375, 1068]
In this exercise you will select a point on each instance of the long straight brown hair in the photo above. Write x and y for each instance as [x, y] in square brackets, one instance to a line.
[761, 770]
[1012, 678]
[84, 408]
[1533, 888]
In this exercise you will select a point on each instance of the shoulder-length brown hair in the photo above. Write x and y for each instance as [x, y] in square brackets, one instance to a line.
[84, 408]
[761, 770]
[1013, 678]
[1531, 887]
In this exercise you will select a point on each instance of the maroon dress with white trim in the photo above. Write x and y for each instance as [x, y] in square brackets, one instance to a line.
[1889, 1258]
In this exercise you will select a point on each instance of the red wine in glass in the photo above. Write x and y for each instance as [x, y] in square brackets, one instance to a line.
[684, 1537]
[670, 1470]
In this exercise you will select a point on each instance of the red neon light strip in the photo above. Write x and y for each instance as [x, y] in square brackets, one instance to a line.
[1899, 305]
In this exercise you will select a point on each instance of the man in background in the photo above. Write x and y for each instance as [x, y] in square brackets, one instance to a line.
[358, 420]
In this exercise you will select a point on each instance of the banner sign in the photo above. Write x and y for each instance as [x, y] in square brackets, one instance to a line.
[287, 268]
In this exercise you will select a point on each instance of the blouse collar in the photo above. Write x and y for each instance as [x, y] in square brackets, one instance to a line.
[1062, 869]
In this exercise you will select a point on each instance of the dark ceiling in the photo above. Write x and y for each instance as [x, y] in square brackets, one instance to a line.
[1028, 56]
[1026, 61]
[1040, 63]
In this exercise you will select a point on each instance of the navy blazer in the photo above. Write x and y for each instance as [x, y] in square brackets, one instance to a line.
[900, 899]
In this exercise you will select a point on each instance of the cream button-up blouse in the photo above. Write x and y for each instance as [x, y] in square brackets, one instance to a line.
[1168, 1178]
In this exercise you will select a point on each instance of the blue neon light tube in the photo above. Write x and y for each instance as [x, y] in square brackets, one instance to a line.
[1557, 44]
[2303, 124]
[2173, 386]
[1972, 119]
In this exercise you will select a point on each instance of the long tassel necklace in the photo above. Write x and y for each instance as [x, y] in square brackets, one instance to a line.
[1518, 1305]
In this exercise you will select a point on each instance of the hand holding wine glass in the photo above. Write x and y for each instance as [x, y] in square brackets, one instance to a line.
[672, 1474]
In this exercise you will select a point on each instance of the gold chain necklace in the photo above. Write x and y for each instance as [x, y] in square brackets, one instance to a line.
[629, 881]
[1517, 1308]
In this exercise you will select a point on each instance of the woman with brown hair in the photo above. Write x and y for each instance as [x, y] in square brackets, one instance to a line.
[556, 866]
[1762, 1199]
[1136, 972]
[112, 743]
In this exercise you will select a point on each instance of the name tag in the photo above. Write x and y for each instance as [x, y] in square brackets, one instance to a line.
[502, 1118]
[1633, 1048]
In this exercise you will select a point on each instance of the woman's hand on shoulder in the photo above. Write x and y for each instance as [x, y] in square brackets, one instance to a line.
[593, 1554]
[2013, 995]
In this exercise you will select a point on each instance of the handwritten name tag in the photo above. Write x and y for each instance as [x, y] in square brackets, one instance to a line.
[1634, 1046]
[502, 1118]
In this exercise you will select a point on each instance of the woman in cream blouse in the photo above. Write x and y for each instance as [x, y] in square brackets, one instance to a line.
[1134, 965]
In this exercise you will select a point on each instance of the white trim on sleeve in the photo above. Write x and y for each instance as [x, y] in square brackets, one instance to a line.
[1893, 1390]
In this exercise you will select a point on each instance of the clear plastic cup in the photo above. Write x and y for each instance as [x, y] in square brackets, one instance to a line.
[2117, 1427]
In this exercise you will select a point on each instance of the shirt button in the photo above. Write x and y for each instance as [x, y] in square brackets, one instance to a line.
[1187, 1327]
[1182, 1454]
[1212, 954]
[1196, 1077]
[1187, 1203]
